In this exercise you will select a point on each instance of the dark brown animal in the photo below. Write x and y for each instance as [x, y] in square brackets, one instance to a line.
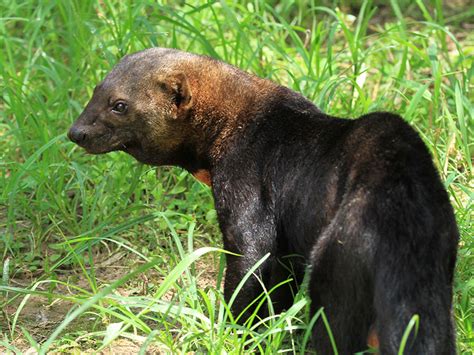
[359, 200]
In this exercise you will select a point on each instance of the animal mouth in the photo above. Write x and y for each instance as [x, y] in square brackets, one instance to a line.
[108, 143]
[101, 145]
[129, 148]
[98, 150]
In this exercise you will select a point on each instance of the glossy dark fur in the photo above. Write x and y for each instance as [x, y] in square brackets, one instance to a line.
[359, 200]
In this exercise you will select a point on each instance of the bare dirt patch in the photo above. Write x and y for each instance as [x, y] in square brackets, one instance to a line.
[40, 316]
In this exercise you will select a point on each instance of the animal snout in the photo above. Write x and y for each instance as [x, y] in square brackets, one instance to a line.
[77, 134]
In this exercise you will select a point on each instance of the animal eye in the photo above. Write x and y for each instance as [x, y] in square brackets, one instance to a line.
[120, 107]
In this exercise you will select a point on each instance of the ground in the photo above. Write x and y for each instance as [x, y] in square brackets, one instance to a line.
[125, 241]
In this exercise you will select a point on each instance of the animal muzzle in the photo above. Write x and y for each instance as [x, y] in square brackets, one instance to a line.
[77, 134]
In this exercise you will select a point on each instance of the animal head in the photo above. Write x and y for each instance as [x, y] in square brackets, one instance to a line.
[167, 107]
[141, 107]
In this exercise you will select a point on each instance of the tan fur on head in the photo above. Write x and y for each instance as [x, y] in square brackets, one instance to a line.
[224, 97]
[176, 84]
[217, 97]
[182, 108]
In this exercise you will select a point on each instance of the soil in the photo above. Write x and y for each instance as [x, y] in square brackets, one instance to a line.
[40, 316]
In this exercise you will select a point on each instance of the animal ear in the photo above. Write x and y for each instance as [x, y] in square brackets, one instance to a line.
[176, 84]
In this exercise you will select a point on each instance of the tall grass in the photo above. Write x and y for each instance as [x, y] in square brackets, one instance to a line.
[63, 212]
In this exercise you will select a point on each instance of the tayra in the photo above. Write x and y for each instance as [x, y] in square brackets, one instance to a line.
[359, 200]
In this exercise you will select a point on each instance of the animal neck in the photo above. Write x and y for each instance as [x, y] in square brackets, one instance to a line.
[226, 101]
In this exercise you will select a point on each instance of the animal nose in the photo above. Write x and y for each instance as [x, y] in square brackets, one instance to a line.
[77, 135]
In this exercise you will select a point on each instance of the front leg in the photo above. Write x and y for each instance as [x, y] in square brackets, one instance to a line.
[248, 225]
[251, 235]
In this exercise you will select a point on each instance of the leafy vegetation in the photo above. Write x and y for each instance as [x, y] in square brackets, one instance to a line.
[100, 250]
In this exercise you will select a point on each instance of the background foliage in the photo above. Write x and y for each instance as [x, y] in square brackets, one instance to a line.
[91, 245]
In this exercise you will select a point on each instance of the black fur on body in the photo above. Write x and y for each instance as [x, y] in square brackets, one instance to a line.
[359, 200]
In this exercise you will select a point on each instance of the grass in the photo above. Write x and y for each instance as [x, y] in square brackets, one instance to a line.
[120, 248]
